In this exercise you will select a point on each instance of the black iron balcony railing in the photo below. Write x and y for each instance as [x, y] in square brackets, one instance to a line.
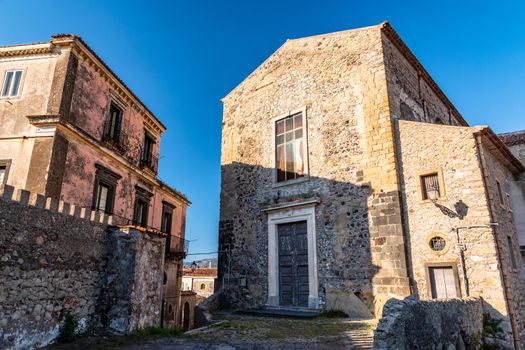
[116, 139]
[150, 162]
[175, 246]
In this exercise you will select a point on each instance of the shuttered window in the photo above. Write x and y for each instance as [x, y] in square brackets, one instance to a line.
[290, 148]
[430, 186]
[443, 282]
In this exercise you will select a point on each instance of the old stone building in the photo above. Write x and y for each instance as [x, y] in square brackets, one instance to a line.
[346, 171]
[71, 130]
[200, 280]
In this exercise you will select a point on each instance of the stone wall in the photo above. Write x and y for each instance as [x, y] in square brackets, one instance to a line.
[350, 164]
[503, 213]
[479, 253]
[425, 325]
[56, 259]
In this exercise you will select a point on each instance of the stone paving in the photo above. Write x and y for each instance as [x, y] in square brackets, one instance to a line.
[251, 333]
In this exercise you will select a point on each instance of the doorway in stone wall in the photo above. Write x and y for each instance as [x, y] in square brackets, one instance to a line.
[293, 264]
[186, 317]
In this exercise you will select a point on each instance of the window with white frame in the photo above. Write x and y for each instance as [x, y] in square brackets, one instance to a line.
[12, 83]
[290, 148]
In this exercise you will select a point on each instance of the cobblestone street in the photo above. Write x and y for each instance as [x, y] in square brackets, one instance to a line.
[248, 332]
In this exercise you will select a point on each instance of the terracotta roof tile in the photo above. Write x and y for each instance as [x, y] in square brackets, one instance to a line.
[513, 138]
[200, 272]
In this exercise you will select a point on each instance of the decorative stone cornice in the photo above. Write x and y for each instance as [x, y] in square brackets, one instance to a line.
[27, 52]
[88, 140]
[499, 149]
[88, 55]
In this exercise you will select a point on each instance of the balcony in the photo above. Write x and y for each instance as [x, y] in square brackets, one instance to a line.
[118, 141]
[177, 247]
[151, 162]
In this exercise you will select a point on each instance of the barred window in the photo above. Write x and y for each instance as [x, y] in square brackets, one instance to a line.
[290, 148]
[430, 186]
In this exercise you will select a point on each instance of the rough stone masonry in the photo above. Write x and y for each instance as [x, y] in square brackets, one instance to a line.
[375, 126]
[53, 264]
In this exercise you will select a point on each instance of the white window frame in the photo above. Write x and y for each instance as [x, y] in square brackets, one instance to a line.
[306, 176]
[20, 86]
[304, 211]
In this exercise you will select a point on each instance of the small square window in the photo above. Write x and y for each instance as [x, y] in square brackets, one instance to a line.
[430, 186]
[12, 83]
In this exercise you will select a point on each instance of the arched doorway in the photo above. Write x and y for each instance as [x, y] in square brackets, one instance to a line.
[186, 317]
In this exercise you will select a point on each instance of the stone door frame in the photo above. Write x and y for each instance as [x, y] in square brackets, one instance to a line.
[304, 211]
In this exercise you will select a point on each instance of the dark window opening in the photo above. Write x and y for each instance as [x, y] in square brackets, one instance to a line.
[203, 286]
[500, 193]
[4, 170]
[140, 214]
[3, 177]
[290, 148]
[12, 82]
[112, 128]
[103, 198]
[104, 189]
[511, 253]
[437, 243]
[430, 186]
[166, 223]
[146, 158]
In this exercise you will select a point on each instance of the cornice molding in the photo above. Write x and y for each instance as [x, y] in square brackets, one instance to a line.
[26, 52]
[86, 139]
[89, 56]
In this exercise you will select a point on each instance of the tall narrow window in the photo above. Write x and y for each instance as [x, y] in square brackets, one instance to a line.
[500, 193]
[147, 150]
[12, 82]
[142, 199]
[511, 252]
[290, 148]
[167, 214]
[165, 225]
[141, 213]
[3, 176]
[113, 123]
[430, 186]
[104, 189]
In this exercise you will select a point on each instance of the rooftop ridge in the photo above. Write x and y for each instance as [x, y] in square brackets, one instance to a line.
[513, 138]
[26, 198]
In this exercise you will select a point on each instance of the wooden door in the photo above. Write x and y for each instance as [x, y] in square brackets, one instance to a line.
[293, 264]
[443, 282]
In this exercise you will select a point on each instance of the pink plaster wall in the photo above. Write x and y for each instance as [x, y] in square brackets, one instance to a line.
[89, 107]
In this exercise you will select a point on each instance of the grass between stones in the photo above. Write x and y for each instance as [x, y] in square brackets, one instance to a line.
[258, 328]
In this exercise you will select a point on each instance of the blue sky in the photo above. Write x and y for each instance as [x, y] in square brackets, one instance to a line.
[181, 57]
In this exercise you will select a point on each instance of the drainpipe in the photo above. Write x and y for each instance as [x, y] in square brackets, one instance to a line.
[462, 249]
[462, 261]
[506, 289]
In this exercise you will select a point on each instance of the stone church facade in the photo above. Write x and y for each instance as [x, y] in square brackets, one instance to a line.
[347, 174]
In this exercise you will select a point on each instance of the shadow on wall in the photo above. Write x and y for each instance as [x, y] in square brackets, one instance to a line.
[440, 324]
[343, 239]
